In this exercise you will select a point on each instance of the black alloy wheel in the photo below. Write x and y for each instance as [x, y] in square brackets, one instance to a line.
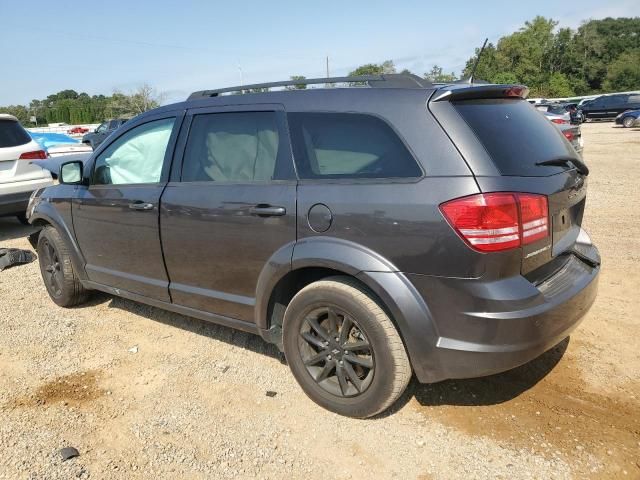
[336, 352]
[51, 268]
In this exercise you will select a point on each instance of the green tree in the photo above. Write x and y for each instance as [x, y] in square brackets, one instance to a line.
[297, 86]
[561, 62]
[374, 69]
[559, 86]
[624, 73]
[436, 74]
[487, 67]
[505, 77]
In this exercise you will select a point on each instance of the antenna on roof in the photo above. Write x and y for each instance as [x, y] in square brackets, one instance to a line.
[475, 65]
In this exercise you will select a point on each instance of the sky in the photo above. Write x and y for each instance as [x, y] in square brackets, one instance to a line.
[182, 46]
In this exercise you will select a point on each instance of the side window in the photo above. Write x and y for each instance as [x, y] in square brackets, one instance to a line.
[634, 98]
[135, 157]
[231, 147]
[102, 127]
[348, 145]
[612, 100]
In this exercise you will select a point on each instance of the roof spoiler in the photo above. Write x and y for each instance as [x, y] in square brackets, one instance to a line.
[473, 91]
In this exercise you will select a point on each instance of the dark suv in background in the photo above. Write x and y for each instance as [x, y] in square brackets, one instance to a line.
[371, 233]
[101, 133]
[608, 107]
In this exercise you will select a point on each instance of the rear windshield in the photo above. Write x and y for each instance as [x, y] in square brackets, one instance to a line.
[515, 135]
[12, 134]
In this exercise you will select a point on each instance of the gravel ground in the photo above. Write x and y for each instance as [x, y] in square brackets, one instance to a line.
[143, 393]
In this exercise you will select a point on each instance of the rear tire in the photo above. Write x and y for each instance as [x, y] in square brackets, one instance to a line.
[62, 282]
[343, 349]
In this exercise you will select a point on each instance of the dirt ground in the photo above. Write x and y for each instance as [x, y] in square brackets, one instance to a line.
[143, 393]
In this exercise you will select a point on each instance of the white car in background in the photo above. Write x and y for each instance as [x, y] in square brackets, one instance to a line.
[18, 177]
[68, 149]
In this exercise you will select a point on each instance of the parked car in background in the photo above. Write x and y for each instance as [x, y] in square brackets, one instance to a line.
[57, 144]
[18, 178]
[568, 111]
[629, 118]
[105, 129]
[77, 131]
[608, 107]
[557, 118]
[368, 237]
[574, 113]
[572, 132]
[68, 148]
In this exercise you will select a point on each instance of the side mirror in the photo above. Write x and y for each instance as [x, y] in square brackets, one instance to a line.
[71, 173]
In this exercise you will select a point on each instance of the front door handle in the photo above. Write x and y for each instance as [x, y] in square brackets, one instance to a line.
[267, 211]
[141, 206]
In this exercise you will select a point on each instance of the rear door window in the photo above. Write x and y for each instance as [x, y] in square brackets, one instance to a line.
[12, 134]
[232, 147]
[348, 145]
[515, 135]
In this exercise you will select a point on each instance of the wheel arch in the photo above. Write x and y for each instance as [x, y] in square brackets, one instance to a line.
[321, 257]
[44, 216]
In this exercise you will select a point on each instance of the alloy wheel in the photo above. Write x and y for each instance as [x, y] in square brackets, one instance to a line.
[52, 269]
[336, 352]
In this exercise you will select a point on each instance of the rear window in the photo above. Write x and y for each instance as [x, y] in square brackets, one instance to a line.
[558, 110]
[348, 145]
[12, 134]
[515, 135]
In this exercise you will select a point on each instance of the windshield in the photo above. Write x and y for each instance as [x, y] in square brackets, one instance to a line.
[516, 136]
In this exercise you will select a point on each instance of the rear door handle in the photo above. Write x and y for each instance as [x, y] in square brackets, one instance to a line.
[141, 206]
[267, 211]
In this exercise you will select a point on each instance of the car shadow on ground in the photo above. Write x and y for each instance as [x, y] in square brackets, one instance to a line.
[11, 229]
[491, 390]
[484, 391]
[231, 336]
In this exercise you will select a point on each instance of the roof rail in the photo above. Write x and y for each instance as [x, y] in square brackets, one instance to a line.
[391, 80]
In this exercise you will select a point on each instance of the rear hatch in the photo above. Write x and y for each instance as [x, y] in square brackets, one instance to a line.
[15, 143]
[519, 151]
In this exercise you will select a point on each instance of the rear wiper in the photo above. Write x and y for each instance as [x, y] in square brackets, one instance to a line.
[579, 164]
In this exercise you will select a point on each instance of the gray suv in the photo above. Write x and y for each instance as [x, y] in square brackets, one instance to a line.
[101, 133]
[372, 233]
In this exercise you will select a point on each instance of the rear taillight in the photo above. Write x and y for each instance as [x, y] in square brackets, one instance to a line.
[491, 222]
[568, 135]
[35, 155]
[559, 121]
[534, 216]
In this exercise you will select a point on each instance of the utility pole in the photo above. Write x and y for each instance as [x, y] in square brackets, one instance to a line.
[241, 79]
[328, 66]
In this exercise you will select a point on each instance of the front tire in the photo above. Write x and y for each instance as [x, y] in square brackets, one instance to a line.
[62, 282]
[343, 349]
[628, 122]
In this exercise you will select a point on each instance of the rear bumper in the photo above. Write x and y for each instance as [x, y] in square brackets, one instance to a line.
[14, 203]
[487, 327]
[14, 197]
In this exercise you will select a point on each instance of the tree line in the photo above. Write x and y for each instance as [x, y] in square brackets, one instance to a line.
[69, 106]
[599, 56]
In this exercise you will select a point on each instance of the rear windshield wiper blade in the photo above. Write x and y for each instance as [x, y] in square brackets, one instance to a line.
[579, 164]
